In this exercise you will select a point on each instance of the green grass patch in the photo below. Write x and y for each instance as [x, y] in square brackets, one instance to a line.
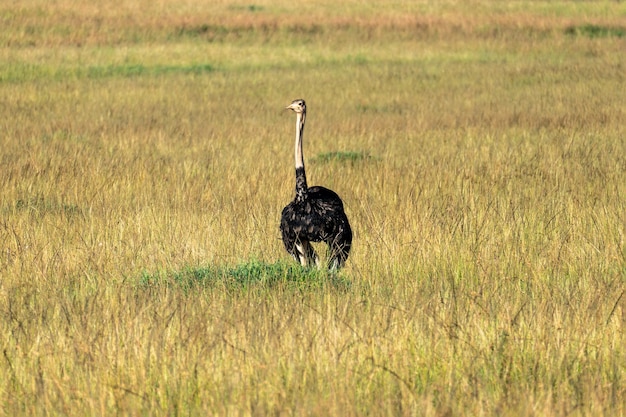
[249, 275]
[371, 108]
[29, 72]
[343, 156]
[137, 70]
[39, 206]
[596, 31]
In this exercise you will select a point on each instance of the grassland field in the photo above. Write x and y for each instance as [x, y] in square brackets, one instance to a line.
[480, 151]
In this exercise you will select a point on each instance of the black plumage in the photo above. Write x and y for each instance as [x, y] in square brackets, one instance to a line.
[315, 215]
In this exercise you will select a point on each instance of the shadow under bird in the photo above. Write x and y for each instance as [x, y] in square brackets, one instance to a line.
[315, 215]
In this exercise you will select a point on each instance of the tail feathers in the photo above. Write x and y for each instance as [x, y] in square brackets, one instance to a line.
[338, 254]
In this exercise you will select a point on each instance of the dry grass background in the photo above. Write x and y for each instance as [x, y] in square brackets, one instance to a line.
[143, 142]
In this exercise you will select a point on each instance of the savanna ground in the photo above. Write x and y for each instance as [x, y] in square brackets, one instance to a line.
[480, 150]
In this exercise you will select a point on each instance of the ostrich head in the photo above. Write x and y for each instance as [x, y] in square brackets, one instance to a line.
[298, 106]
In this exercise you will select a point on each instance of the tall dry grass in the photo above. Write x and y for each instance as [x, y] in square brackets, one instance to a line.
[140, 156]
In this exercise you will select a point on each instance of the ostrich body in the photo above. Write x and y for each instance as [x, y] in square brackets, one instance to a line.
[315, 215]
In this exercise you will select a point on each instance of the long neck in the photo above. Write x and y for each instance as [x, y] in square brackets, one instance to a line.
[301, 186]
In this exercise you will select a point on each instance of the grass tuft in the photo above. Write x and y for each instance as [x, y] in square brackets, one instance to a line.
[27, 73]
[596, 31]
[38, 206]
[343, 156]
[140, 70]
[248, 275]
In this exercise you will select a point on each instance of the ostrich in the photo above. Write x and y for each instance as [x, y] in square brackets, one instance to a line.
[315, 215]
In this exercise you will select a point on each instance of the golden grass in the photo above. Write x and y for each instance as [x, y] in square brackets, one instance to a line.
[145, 142]
[80, 22]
